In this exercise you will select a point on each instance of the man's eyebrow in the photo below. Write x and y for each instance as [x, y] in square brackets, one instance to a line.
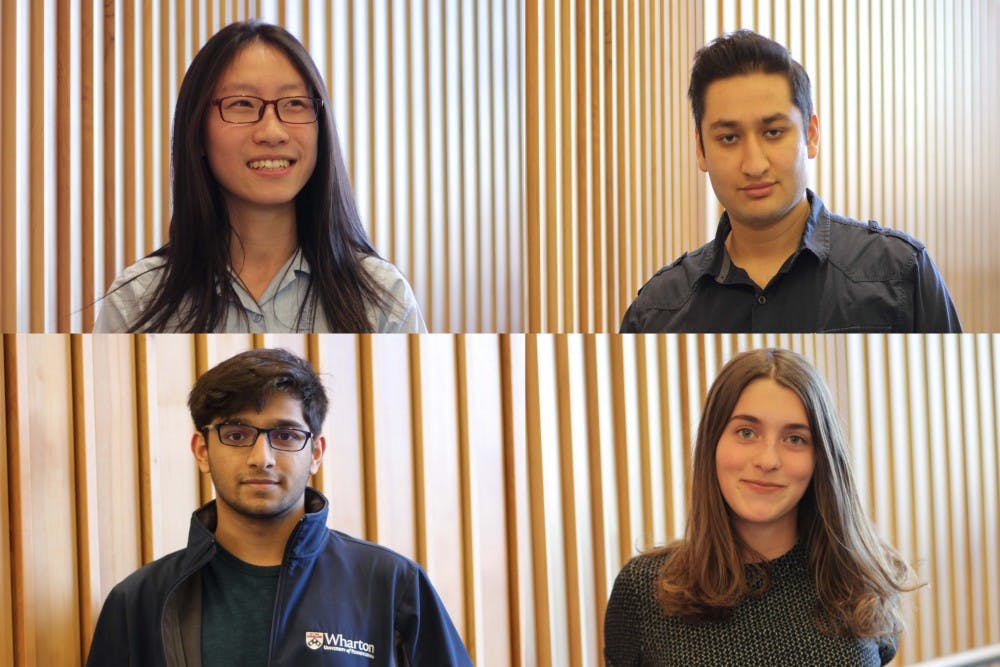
[774, 118]
[724, 124]
[278, 423]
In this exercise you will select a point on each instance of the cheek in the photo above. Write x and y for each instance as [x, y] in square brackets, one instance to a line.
[802, 469]
[728, 465]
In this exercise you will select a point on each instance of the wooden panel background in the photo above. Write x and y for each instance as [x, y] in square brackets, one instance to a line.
[611, 188]
[97, 477]
[904, 90]
[427, 101]
[611, 422]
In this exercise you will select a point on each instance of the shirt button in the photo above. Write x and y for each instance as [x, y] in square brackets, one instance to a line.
[257, 317]
[762, 299]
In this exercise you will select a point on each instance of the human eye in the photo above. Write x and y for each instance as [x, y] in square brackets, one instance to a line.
[726, 139]
[798, 439]
[745, 432]
[774, 132]
[234, 434]
[239, 102]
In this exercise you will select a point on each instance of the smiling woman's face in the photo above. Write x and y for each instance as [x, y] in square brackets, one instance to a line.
[765, 459]
[263, 164]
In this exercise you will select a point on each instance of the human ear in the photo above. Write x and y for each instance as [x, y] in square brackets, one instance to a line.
[199, 447]
[699, 148]
[318, 448]
[812, 137]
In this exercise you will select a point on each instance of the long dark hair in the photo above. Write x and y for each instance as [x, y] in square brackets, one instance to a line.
[858, 577]
[196, 286]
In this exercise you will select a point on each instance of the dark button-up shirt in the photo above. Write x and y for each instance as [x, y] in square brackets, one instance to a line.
[845, 276]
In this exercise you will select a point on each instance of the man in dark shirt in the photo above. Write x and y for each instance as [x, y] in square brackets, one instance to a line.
[780, 261]
[263, 581]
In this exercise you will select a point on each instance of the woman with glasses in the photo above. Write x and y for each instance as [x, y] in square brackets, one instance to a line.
[264, 234]
[779, 564]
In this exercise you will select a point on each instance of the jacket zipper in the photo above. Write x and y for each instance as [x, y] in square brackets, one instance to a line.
[277, 592]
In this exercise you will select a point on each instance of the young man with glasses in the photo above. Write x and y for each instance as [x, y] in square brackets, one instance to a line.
[263, 581]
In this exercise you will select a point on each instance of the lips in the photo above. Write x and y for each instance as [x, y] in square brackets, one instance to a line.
[260, 482]
[758, 190]
[762, 487]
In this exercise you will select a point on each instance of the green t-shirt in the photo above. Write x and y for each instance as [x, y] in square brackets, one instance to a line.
[237, 603]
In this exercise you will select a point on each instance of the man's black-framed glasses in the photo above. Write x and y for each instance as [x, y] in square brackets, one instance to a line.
[282, 438]
[250, 109]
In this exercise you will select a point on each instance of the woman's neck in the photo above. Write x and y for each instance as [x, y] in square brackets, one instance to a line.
[770, 540]
[262, 241]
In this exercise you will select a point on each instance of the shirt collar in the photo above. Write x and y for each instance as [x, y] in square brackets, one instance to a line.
[716, 263]
[295, 266]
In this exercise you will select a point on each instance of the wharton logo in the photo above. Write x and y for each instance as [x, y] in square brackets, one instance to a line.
[329, 641]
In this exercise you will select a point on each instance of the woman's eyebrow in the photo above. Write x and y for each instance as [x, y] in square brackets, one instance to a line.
[254, 89]
[754, 420]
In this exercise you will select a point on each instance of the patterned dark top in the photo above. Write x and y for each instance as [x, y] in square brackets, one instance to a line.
[772, 630]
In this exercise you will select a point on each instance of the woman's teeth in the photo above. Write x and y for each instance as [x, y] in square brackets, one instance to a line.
[269, 164]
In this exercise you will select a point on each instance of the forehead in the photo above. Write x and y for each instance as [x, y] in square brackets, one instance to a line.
[749, 97]
[279, 407]
[259, 68]
[770, 402]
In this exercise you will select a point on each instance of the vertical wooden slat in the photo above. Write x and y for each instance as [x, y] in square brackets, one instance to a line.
[567, 485]
[368, 437]
[539, 558]
[37, 169]
[128, 92]
[8, 160]
[6, 582]
[62, 170]
[148, 101]
[109, 131]
[468, 546]
[535, 164]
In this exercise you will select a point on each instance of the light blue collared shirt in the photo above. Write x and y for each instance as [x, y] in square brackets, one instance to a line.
[277, 311]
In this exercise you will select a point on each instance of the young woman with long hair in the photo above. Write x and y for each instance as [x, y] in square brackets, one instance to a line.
[779, 564]
[264, 232]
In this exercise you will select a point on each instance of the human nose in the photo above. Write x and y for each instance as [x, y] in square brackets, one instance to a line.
[261, 454]
[767, 457]
[755, 161]
[269, 129]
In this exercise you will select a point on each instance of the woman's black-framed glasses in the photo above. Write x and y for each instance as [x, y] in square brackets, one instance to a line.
[282, 438]
[243, 109]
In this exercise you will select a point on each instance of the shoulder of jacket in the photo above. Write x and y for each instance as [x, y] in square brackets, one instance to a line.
[871, 231]
[161, 572]
[672, 285]
[368, 551]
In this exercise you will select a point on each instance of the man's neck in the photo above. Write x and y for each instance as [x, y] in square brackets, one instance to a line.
[761, 250]
[255, 541]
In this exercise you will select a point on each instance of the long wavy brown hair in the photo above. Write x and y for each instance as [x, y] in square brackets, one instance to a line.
[858, 577]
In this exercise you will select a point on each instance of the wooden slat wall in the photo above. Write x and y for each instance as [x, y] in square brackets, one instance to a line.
[611, 425]
[427, 100]
[96, 475]
[904, 91]
[612, 191]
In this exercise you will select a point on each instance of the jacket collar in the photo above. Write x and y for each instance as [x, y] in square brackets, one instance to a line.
[306, 540]
[715, 263]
